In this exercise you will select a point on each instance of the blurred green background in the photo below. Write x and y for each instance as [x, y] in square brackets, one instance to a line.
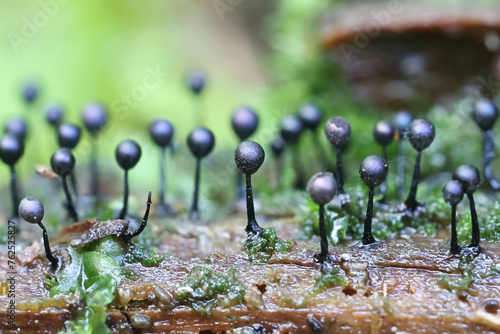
[262, 53]
[83, 51]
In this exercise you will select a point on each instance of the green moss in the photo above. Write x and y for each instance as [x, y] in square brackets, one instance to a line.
[325, 281]
[70, 279]
[345, 222]
[455, 285]
[495, 270]
[204, 290]
[146, 257]
[100, 291]
[330, 280]
[427, 229]
[89, 321]
[262, 246]
[111, 247]
[98, 264]
[467, 276]
[490, 229]
[489, 222]
[437, 209]
[464, 227]
[94, 272]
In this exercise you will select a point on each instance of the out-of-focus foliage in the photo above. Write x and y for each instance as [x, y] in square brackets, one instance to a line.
[92, 50]
[205, 290]
[261, 247]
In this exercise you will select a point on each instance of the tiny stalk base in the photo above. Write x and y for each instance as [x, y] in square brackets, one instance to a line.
[367, 234]
[194, 215]
[411, 202]
[454, 249]
[53, 260]
[144, 222]
[253, 227]
[323, 256]
[476, 234]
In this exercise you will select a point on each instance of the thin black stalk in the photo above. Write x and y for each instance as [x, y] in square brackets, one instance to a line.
[322, 232]
[194, 209]
[162, 175]
[411, 201]
[74, 185]
[123, 213]
[476, 234]
[340, 176]
[367, 234]
[69, 200]
[454, 249]
[46, 244]
[252, 225]
[144, 220]
[400, 178]
[14, 192]
[94, 170]
[488, 156]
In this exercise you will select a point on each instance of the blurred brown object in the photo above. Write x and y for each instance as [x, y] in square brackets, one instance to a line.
[45, 172]
[398, 54]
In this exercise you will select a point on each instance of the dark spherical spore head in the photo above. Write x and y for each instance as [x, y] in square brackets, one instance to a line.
[401, 121]
[322, 188]
[17, 127]
[278, 146]
[310, 115]
[196, 80]
[62, 162]
[244, 122]
[30, 91]
[11, 149]
[54, 114]
[485, 114]
[338, 131]
[31, 210]
[468, 175]
[161, 132]
[128, 153]
[249, 156]
[68, 135]
[94, 117]
[453, 192]
[291, 129]
[383, 133]
[373, 171]
[201, 141]
[421, 134]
